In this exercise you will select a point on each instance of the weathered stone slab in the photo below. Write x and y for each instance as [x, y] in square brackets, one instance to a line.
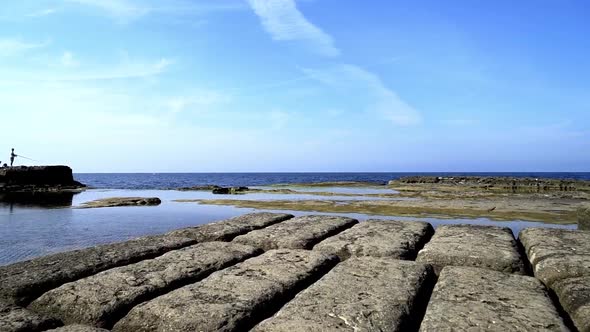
[23, 282]
[16, 319]
[488, 247]
[233, 299]
[298, 233]
[584, 217]
[361, 294]
[473, 299]
[557, 253]
[226, 230]
[78, 328]
[379, 238]
[100, 300]
[574, 296]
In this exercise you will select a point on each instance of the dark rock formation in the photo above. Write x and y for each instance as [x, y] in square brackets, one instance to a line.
[499, 183]
[38, 178]
[230, 190]
[208, 187]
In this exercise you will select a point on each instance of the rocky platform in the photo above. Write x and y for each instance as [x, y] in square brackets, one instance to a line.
[274, 272]
[38, 179]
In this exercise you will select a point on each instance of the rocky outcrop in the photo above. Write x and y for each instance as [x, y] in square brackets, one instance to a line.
[515, 184]
[207, 187]
[38, 179]
[121, 201]
[17, 319]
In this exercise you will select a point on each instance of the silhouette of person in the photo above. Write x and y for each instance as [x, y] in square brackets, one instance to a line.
[12, 155]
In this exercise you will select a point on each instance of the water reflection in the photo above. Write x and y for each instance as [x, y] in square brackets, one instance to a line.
[36, 200]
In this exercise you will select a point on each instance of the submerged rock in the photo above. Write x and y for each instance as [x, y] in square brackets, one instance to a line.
[121, 201]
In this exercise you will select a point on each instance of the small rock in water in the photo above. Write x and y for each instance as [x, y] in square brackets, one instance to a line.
[230, 190]
[122, 201]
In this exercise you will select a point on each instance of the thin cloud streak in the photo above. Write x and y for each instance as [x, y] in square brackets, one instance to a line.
[284, 22]
[14, 46]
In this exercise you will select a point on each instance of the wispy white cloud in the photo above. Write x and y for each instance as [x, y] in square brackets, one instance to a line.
[67, 59]
[197, 101]
[283, 21]
[383, 100]
[43, 12]
[128, 10]
[13, 46]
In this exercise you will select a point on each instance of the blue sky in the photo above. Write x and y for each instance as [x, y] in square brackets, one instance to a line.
[306, 85]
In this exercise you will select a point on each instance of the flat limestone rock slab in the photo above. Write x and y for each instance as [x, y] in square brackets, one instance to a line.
[121, 201]
[557, 253]
[23, 282]
[488, 247]
[297, 233]
[226, 230]
[360, 294]
[474, 299]
[78, 328]
[16, 319]
[233, 299]
[379, 238]
[574, 296]
[100, 300]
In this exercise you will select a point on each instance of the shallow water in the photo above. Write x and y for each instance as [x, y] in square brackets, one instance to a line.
[30, 231]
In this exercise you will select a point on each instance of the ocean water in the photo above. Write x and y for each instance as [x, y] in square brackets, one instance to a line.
[176, 180]
[43, 226]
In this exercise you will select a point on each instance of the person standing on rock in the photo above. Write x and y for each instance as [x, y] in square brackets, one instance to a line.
[12, 156]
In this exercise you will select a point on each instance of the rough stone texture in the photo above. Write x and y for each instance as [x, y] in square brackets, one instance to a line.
[473, 299]
[226, 230]
[23, 282]
[379, 238]
[121, 201]
[233, 299]
[361, 294]
[78, 328]
[101, 299]
[574, 296]
[557, 253]
[488, 247]
[37, 178]
[16, 319]
[584, 218]
[298, 233]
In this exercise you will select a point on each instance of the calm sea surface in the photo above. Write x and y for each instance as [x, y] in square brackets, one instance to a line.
[35, 229]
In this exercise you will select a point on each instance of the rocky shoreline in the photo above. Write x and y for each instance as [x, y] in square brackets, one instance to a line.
[276, 272]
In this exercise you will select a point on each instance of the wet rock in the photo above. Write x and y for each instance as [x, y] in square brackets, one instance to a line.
[473, 299]
[557, 253]
[16, 319]
[574, 296]
[77, 328]
[208, 187]
[297, 233]
[226, 230]
[101, 299]
[121, 201]
[38, 179]
[488, 247]
[379, 238]
[584, 218]
[233, 299]
[361, 294]
[23, 282]
[230, 190]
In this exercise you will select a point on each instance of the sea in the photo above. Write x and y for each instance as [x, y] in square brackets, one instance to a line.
[40, 227]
